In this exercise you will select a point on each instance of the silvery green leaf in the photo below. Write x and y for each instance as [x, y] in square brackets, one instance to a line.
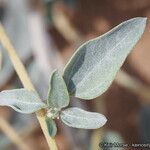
[94, 65]
[51, 126]
[21, 100]
[58, 96]
[78, 118]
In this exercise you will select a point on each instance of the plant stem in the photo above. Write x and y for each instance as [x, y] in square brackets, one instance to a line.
[22, 73]
[11, 133]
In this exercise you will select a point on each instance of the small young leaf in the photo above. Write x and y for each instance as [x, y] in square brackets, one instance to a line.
[93, 67]
[78, 118]
[21, 100]
[58, 96]
[51, 126]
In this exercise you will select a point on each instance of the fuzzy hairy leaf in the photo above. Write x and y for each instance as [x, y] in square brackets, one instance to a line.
[78, 118]
[58, 96]
[51, 126]
[21, 100]
[94, 65]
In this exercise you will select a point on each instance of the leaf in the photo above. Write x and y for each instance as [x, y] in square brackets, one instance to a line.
[58, 96]
[78, 118]
[51, 126]
[21, 100]
[94, 65]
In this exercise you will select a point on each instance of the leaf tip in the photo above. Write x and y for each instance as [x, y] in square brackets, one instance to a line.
[141, 21]
[103, 120]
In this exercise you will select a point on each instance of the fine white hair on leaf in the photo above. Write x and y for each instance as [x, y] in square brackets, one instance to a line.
[78, 118]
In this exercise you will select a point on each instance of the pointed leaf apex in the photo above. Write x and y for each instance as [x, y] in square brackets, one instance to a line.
[58, 96]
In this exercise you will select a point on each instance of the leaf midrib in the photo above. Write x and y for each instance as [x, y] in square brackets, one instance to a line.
[85, 77]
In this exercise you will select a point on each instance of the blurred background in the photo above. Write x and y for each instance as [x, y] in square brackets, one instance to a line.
[45, 33]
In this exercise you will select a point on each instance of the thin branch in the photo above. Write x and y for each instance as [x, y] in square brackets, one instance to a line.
[11, 134]
[63, 25]
[96, 139]
[131, 83]
[22, 73]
